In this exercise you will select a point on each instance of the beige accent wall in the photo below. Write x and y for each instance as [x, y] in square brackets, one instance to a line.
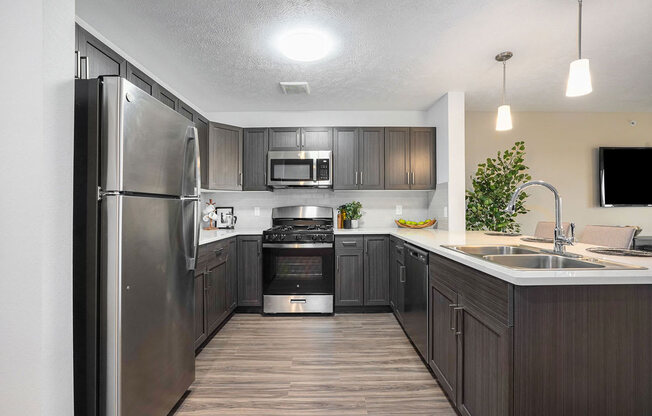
[562, 148]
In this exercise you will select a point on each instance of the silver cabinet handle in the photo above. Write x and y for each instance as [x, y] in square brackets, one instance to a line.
[86, 66]
[451, 321]
[407, 176]
[298, 142]
[356, 177]
[458, 330]
[338, 264]
[360, 177]
[402, 274]
[77, 65]
[349, 243]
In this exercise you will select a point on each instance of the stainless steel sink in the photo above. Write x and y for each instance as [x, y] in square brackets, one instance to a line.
[524, 257]
[543, 261]
[495, 250]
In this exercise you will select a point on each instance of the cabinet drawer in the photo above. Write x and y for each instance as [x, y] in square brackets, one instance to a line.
[486, 293]
[396, 246]
[208, 253]
[349, 242]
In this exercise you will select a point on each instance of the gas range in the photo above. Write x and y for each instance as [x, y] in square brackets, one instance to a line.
[299, 234]
[299, 260]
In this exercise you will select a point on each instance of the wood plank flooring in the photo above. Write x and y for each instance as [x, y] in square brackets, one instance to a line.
[348, 364]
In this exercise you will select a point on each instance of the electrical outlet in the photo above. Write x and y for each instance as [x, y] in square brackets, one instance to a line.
[445, 212]
[256, 211]
[399, 209]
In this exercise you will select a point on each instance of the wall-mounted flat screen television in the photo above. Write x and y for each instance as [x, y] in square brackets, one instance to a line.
[625, 176]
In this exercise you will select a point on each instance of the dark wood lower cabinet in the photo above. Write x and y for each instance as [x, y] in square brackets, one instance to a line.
[376, 270]
[349, 277]
[250, 270]
[215, 286]
[442, 348]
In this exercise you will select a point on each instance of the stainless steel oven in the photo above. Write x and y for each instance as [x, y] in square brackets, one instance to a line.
[298, 261]
[291, 168]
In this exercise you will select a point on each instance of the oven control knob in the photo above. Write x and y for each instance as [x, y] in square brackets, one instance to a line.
[322, 237]
[282, 237]
[297, 237]
[314, 237]
[274, 237]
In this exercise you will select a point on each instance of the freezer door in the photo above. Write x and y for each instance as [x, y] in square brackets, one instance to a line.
[148, 304]
[146, 146]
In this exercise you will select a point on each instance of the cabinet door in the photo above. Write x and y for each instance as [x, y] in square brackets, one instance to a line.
[400, 295]
[349, 278]
[345, 158]
[101, 60]
[224, 147]
[254, 159]
[139, 79]
[393, 274]
[232, 276]
[204, 159]
[285, 138]
[484, 368]
[200, 318]
[422, 158]
[215, 295]
[442, 345]
[376, 270]
[186, 111]
[372, 158]
[316, 138]
[250, 271]
[397, 157]
[166, 97]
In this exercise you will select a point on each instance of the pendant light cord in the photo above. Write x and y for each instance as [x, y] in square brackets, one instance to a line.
[579, 31]
[504, 80]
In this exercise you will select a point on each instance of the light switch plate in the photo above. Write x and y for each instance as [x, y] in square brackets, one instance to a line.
[399, 209]
[256, 211]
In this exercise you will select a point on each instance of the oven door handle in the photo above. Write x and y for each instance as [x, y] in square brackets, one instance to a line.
[300, 245]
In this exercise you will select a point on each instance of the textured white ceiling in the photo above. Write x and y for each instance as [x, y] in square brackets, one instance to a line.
[390, 54]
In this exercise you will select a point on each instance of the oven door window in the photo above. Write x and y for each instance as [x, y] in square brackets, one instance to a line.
[292, 170]
[298, 271]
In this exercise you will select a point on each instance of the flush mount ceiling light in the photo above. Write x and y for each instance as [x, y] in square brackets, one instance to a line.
[305, 45]
[504, 118]
[579, 75]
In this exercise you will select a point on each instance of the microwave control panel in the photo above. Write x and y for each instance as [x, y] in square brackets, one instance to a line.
[323, 169]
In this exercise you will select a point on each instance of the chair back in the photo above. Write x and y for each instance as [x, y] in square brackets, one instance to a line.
[546, 229]
[608, 236]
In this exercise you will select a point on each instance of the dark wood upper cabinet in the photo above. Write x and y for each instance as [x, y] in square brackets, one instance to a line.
[285, 138]
[297, 138]
[422, 158]
[372, 158]
[345, 157]
[139, 79]
[254, 159]
[202, 132]
[397, 157]
[376, 270]
[410, 158]
[187, 111]
[223, 157]
[99, 58]
[316, 138]
[166, 97]
[250, 270]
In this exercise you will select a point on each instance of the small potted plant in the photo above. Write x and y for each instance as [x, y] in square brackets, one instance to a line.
[351, 212]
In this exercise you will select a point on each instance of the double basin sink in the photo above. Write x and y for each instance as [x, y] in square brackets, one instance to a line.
[533, 258]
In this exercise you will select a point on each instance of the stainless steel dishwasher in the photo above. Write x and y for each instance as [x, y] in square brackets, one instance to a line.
[416, 297]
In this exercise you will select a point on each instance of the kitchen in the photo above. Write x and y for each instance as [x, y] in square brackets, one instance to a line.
[438, 320]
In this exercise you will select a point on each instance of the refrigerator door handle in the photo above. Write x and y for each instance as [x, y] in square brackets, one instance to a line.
[191, 136]
[191, 260]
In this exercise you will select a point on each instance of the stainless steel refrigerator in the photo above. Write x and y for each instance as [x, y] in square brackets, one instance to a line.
[136, 228]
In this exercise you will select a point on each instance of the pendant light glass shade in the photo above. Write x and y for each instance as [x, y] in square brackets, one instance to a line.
[504, 119]
[579, 79]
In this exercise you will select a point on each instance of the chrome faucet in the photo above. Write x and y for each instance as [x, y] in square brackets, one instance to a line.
[561, 240]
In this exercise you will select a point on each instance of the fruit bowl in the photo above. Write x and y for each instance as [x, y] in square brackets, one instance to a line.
[428, 223]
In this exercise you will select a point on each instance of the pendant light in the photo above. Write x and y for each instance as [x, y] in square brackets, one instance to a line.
[579, 75]
[504, 118]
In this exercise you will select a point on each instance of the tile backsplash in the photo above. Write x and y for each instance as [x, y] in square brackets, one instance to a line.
[378, 207]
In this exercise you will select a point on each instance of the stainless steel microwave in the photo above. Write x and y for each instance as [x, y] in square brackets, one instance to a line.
[292, 168]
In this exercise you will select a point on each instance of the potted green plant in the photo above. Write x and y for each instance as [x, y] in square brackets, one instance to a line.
[353, 212]
[493, 184]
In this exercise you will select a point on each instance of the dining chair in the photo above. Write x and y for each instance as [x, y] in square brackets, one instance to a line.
[608, 236]
[546, 229]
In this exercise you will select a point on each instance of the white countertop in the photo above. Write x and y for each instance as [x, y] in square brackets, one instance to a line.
[432, 240]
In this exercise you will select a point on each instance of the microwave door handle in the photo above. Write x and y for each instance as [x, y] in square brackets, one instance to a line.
[314, 170]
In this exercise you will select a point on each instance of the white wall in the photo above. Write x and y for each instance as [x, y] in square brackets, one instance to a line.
[561, 148]
[321, 118]
[447, 202]
[36, 131]
[378, 207]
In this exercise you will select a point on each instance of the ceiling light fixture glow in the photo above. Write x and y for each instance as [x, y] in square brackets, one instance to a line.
[579, 74]
[305, 45]
[504, 117]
